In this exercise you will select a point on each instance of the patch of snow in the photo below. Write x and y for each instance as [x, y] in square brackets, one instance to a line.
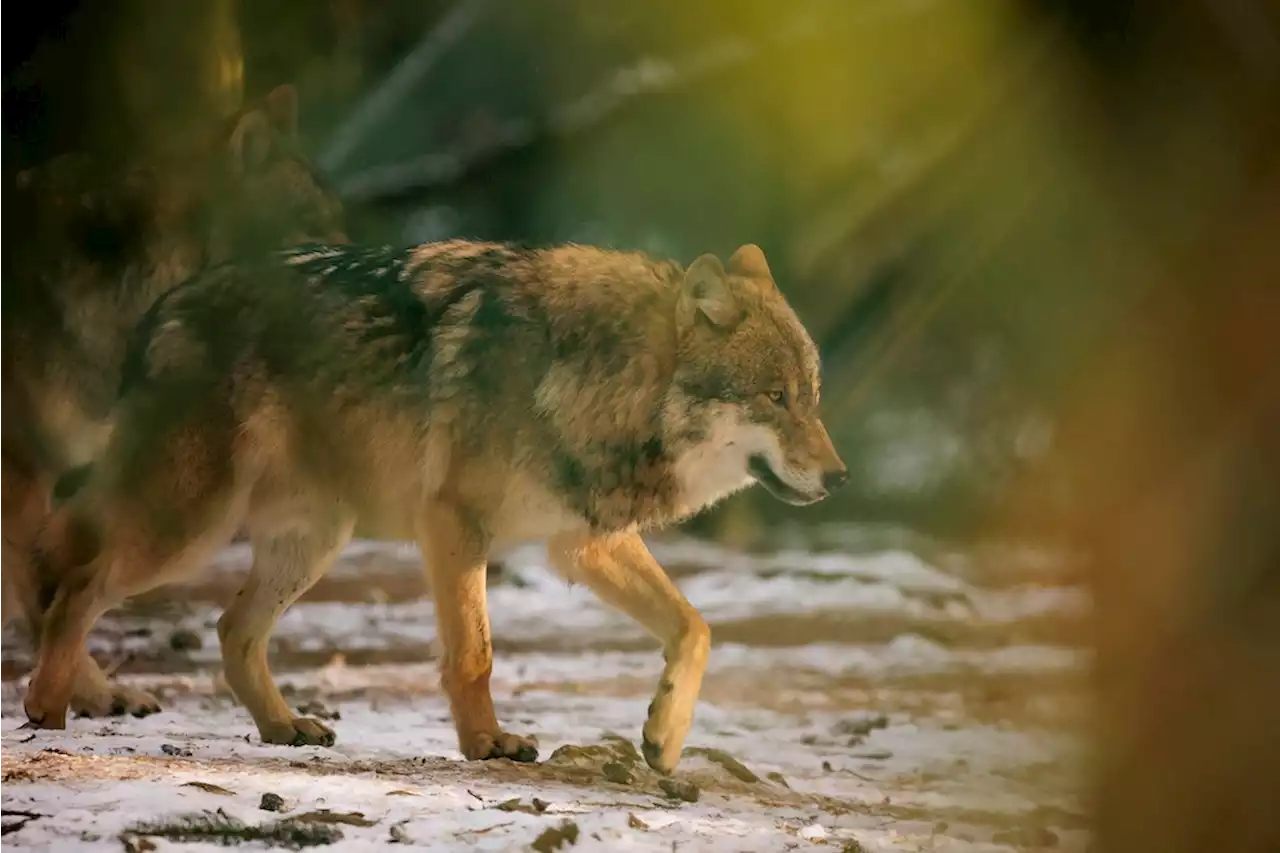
[570, 671]
[397, 765]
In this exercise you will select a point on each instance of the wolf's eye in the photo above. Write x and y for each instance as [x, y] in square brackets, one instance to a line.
[778, 397]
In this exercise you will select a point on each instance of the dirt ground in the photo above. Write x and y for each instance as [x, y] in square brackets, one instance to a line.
[870, 699]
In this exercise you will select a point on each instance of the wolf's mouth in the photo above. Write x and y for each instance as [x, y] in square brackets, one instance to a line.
[759, 467]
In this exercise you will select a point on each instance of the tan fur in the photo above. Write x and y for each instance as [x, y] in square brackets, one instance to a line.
[89, 247]
[464, 395]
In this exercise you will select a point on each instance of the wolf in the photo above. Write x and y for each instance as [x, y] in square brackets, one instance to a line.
[466, 395]
[88, 248]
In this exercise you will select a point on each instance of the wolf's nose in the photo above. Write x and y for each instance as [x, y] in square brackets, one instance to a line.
[833, 480]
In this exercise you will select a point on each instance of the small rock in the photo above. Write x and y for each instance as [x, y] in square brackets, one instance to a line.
[398, 835]
[536, 806]
[170, 749]
[271, 802]
[564, 835]
[316, 708]
[623, 748]
[595, 755]
[813, 832]
[635, 822]
[618, 773]
[677, 790]
[185, 640]
[863, 725]
[826, 766]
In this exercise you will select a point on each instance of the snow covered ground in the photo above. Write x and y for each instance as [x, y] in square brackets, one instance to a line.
[855, 701]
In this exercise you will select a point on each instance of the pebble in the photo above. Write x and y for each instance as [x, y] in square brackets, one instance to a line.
[813, 832]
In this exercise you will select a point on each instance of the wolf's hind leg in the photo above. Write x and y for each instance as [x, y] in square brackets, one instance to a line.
[455, 557]
[26, 511]
[285, 566]
[622, 573]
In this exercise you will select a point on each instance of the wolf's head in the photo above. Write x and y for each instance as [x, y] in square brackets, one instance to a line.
[747, 388]
[210, 195]
[263, 193]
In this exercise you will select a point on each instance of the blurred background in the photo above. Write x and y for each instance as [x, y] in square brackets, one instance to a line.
[910, 168]
[1038, 244]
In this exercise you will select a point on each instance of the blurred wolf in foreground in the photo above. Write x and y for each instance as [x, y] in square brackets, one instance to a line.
[88, 247]
[466, 395]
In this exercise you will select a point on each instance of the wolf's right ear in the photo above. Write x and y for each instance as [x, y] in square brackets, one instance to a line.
[257, 130]
[250, 141]
[281, 107]
[706, 293]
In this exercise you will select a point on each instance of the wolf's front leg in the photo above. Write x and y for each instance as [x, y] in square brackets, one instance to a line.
[455, 556]
[620, 570]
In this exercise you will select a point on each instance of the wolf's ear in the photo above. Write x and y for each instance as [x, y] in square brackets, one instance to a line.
[251, 141]
[256, 131]
[281, 106]
[749, 262]
[706, 293]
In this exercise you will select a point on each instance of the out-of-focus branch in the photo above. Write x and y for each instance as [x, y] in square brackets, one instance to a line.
[396, 87]
[899, 198]
[649, 76]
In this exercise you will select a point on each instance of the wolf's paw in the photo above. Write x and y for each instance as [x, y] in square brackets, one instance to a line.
[299, 731]
[670, 716]
[43, 714]
[115, 702]
[499, 745]
[662, 756]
